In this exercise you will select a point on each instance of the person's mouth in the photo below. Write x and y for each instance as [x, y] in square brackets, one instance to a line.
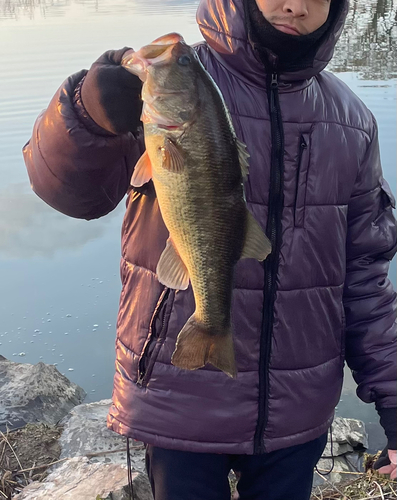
[286, 28]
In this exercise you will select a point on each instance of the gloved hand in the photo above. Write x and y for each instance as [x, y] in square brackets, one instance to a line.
[387, 463]
[111, 95]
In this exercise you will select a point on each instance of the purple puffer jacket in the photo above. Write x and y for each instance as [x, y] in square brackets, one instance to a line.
[332, 296]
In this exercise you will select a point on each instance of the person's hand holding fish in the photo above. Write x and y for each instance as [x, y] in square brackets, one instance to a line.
[111, 95]
[198, 166]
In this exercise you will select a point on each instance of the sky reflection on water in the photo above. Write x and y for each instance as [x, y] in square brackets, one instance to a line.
[60, 276]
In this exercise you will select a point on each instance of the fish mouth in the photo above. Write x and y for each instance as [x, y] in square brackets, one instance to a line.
[156, 52]
[153, 52]
[169, 127]
[157, 93]
[158, 47]
[169, 39]
[138, 63]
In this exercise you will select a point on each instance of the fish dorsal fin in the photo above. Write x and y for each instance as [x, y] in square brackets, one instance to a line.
[142, 171]
[172, 157]
[257, 245]
[243, 156]
[171, 271]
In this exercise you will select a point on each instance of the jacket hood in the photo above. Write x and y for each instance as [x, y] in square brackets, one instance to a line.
[222, 24]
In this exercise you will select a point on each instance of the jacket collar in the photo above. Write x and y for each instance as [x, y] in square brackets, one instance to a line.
[222, 24]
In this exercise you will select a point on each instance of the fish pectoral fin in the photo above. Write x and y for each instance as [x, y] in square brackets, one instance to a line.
[257, 244]
[142, 171]
[172, 157]
[195, 347]
[243, 156]
[171, 271]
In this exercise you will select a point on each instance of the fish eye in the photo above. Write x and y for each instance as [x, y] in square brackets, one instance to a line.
[184, 60]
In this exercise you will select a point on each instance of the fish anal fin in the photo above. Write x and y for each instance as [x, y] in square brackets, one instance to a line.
[171, 271]
[172, 157]
[243, 156]
[195, 347]
[257, 244]
[142, 171]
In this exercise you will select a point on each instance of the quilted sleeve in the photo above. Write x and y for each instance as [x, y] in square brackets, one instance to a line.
[369, 298]
[75, 166]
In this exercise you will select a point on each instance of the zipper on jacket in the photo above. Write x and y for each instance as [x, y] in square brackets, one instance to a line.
[144, 361]
[273, 230]
[302, 147]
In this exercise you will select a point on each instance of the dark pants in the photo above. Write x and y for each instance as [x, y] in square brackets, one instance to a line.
[285, 474]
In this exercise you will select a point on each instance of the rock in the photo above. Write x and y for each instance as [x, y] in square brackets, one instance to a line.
[34, 393]
[85, 434]
[344, 454]
[141, 490]
[348, 435]
[78, 479]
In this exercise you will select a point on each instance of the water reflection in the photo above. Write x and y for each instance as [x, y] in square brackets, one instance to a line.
[29, 227]
[369, 42]
[15, 9]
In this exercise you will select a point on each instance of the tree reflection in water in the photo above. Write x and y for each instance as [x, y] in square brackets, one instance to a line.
[15, 9]
[368, 44]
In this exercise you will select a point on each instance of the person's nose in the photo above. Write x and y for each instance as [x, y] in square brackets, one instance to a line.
[298, 8]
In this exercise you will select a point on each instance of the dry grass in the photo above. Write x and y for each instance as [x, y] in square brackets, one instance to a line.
[368, 485]
[25, 455]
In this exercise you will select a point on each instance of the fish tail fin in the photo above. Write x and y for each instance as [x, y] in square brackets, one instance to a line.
[196, 347]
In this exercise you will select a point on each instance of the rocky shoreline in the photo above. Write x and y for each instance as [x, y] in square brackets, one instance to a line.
[64, 450]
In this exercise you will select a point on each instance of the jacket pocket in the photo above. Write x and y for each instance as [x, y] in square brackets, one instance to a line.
[385, 223]
[157, 333]
[301, 180]
[388, 198]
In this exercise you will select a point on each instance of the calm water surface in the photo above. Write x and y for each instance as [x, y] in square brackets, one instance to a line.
[59, 286]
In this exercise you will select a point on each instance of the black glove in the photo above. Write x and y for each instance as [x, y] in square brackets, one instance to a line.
[111, 95]
[382, 460]
[388, 420]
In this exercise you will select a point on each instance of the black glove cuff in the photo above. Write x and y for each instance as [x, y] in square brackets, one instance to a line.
[382, 460]
[388, 420]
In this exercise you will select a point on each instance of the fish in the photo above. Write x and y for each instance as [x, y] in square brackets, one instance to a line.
[198, 167]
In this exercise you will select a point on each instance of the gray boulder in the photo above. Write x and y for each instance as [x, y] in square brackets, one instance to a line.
[95, 461]
[78, 479]
[85, 434]
[344, 454]
[34, 393]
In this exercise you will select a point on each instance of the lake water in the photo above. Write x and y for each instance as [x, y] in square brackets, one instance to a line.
[59, 286]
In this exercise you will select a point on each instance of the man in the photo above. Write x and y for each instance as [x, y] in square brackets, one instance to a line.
[316, 187]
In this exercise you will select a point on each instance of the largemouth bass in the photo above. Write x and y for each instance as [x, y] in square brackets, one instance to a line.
[198, 166]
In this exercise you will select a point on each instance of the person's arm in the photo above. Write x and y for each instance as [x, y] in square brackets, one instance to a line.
[369, 298]
[84, 146]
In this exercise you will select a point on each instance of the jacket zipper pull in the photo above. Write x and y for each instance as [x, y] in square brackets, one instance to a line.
[274, 82]
[139, 382]
[273, 91]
